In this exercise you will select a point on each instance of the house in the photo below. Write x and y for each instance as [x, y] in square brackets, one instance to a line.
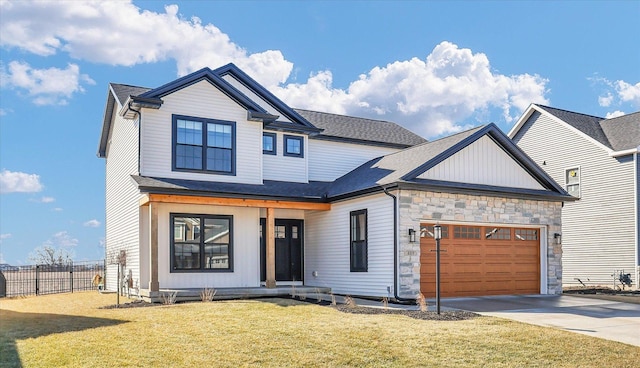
[212, 181]
[596, 160]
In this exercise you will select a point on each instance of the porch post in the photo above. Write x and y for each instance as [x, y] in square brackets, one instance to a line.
[270, 242]
[154, 285]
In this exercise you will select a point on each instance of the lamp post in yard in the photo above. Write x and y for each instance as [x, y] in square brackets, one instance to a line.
[437, 234]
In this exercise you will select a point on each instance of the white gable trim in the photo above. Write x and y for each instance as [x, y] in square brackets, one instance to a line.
[483, 162]
[255, 97]
[530, 110]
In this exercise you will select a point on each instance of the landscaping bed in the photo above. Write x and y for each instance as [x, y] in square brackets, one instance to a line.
[604, 293]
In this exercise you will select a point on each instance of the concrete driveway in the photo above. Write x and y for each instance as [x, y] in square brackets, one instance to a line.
[600, 318]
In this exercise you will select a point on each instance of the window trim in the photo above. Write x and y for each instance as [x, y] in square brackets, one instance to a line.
[352, 266]
[172, 268]
[579, 184]
[284, 145]
[204, 121]
[274, 136]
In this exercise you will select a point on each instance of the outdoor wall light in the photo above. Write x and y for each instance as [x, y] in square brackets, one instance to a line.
[437, 232]
[558, 238]
[412, 235]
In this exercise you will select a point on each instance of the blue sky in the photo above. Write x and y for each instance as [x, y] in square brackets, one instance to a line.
[434, 67]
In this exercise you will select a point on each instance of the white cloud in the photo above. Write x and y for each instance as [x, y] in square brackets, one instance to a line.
[615, 114]
[617, 92]
[4, 236]
[92, 223]
[628, 92]
[52, 86]
[57, 209]
[605, 101]
[428, 96]
[120, 33]
[61, 239]
[13, 182]
[44, 200]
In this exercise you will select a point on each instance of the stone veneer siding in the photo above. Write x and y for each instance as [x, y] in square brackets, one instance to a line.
[423, 206]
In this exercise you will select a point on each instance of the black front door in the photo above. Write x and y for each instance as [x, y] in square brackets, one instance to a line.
[288, 234]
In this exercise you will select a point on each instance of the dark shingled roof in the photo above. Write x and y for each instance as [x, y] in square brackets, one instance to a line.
[623, 132]
[123, 91]
[589, 125]
[361, 129]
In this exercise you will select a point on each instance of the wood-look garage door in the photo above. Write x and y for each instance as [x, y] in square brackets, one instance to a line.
[480, 260]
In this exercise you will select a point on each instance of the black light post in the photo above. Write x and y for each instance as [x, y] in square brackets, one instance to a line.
[437, 234]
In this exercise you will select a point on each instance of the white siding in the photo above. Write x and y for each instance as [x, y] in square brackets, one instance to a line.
[483, 162]
[327, 246]
[122, 197]
[254, 97]
[246, 249]
[597, 230]
[331, 160]
[286, 168]
[205, 101]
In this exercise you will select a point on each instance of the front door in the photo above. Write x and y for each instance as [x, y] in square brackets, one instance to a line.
[288, 234]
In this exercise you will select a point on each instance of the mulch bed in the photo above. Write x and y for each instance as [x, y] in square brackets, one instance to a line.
[431, 316]
[133, 304]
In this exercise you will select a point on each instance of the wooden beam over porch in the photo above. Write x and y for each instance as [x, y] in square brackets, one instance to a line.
[235, 202]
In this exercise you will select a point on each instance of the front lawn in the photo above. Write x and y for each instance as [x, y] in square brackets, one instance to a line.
[72, 330]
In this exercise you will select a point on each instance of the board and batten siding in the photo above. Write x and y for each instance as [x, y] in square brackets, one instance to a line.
[598, 230]
[327, 248]
[330, 160]
[483, 162]
[201, 100]
[286, 168]
[255, 98]
[121, 194]
[246, 249]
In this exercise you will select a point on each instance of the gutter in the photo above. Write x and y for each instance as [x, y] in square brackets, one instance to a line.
[625, 152]
[130, 108]
[395, 251]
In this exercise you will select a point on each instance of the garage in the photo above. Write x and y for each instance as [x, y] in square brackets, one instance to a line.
[480, 260]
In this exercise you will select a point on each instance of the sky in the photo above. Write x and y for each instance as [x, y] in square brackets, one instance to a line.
[434, 67]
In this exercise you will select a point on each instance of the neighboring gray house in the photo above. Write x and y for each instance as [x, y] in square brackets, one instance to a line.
[596, 160]
[212, 181]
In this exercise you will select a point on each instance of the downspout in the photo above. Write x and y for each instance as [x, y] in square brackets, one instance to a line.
[395, 251]
[139, 131]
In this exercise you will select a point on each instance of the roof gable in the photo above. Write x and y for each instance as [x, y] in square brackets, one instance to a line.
[623, 132]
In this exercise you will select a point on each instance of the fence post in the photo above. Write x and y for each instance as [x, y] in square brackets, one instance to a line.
[71, 275]
[37, 280]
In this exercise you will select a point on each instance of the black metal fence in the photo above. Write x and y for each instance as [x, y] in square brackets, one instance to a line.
[51, 279]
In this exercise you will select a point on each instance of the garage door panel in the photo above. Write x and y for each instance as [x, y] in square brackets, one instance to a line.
[482, 266]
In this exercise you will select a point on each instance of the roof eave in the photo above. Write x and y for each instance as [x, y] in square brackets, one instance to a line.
[106, 122]
[630, 151]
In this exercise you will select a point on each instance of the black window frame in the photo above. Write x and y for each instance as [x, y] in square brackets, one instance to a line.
[273, 136]
[202, 217]
[353, 244]
[285, 147]
[204, 121]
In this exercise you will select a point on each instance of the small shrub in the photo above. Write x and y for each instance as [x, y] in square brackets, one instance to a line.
[333, 299]
[422, 302]
[385, 302]
[318, 296]
[206, 295]
[169, 298]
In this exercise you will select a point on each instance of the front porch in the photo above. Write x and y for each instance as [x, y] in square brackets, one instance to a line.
[193, 294]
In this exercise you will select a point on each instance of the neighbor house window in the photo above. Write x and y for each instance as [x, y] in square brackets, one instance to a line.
[293, 146]
[201, 243]
[572, 178]
[203, 145]
[269, 143]
[359, 241]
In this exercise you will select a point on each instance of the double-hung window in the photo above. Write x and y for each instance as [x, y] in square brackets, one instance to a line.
[293, 146]
[201, 243]
[572, 179]
[205, 145]
[358, 247]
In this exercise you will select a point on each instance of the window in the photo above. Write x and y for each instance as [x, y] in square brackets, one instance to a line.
[293, 146]
[426, 231]
[526, 234]
[203, 145]
[269, 143]
[359, 241]
[572, 178]
[497, 233]
[466, 232]
[201, 243]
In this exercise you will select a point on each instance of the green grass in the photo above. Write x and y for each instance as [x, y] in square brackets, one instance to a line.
[69, 330]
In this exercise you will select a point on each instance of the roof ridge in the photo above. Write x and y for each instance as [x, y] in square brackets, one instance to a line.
[573, 112]
[346, 116]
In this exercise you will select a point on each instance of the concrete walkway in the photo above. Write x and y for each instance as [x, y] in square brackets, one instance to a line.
[599, 318]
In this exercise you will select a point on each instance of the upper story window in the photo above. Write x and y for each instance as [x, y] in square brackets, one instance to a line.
[203, 145]
[359, 248]
[293, 146]
[572, 180]
[269, 143]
